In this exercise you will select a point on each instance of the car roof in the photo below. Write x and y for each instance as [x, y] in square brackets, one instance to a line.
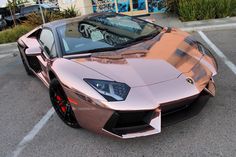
[62, 22]
[33, 5]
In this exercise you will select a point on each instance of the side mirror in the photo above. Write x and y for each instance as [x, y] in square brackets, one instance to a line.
[33, 51]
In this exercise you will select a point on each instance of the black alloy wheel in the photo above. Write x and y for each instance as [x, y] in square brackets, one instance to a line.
[61, 104]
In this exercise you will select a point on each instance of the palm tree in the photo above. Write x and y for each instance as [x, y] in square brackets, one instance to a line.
[12, 7]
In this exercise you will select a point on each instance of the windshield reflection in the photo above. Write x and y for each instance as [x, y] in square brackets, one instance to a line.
[104, 33]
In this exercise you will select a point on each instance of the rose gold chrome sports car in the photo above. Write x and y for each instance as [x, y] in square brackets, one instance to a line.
[115, 74]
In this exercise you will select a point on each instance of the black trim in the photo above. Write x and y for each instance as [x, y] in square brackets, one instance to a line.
[124, 122]
[142, 15]
[34, 63]
[185, 111]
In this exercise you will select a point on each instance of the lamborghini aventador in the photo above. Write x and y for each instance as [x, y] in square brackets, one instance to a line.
[115, 74]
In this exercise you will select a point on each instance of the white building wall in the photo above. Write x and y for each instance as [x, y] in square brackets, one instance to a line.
[3, 3]
[83, 6]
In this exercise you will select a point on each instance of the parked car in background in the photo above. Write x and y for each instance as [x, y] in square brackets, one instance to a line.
[3, 23]
[3, 13]
[26, 11]
[54, 6]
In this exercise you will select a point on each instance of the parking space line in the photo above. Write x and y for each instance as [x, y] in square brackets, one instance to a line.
[29, 137]
[4, 55]
[230, 64]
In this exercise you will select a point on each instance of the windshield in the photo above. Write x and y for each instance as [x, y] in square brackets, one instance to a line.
[104, 32]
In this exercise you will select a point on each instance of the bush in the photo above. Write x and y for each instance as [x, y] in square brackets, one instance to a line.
[48, 16]
[233, 7]
[172, 6]
[12, 34]
[189, 10]
[70, 12]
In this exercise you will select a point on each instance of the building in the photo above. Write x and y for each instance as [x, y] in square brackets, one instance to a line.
[129, 7]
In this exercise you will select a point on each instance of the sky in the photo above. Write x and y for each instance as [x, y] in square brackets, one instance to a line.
[3, 3]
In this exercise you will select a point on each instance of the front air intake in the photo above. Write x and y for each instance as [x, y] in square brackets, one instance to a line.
[122, 123]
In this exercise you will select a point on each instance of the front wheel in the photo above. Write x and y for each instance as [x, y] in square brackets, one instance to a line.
[61, 104]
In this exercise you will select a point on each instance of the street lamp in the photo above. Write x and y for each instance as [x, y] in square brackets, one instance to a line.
[41, 11]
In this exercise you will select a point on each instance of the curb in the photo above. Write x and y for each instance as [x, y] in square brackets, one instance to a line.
[203, 25]
[8, 44]
[8, 48]
[210, 27]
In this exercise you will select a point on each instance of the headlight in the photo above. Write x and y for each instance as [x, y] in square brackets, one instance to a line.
[110, 90]
[204, 50]
[207, 52]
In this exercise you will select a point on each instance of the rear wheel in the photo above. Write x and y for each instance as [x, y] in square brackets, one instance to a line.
[61, 104]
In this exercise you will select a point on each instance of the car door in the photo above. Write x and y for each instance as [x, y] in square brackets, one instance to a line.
[47, 43]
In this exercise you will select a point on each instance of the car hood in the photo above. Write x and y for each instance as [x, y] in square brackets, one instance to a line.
[161, 59]
[136, 72]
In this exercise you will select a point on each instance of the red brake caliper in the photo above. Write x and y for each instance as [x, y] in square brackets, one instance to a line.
[63, 107]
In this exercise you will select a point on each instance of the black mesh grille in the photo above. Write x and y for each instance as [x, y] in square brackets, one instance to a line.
[129, 122]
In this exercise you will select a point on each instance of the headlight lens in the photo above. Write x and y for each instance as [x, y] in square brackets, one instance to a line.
[110, 90]
[204, 50]
[207, 52]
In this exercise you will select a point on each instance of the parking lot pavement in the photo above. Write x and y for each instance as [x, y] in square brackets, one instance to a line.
[229, 47]
[8, 50]
[24, 100]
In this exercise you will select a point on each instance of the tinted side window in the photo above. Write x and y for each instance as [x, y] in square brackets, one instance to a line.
[25, 10]
[47, 40]
[35, 8]
[30, 9]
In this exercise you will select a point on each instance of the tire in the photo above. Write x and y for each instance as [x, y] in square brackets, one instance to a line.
[28, 71]
[61, 104]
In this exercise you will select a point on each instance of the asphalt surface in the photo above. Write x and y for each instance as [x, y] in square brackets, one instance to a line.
[25, 100]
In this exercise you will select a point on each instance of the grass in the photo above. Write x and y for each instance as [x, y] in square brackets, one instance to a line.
[12, 34]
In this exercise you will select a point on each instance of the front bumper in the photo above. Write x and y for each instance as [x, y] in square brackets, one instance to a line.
[137, 123]
[144, 123]
[122, 124]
